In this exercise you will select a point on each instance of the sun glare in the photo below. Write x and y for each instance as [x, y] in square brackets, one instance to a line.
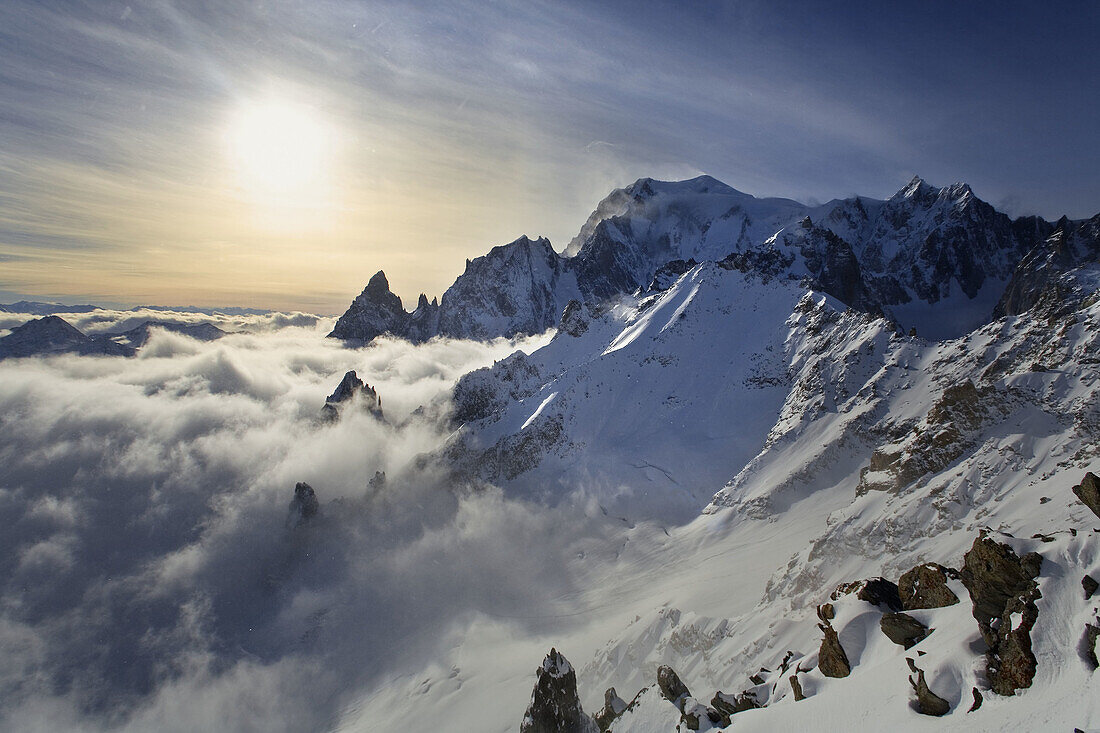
[282, 152]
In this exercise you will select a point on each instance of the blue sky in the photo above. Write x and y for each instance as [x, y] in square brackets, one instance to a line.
[452, 127]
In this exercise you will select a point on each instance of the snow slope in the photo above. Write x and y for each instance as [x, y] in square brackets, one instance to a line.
[660, 399]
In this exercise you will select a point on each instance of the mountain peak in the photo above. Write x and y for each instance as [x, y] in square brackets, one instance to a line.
[378, 283]
[916, 189]
[647, 187]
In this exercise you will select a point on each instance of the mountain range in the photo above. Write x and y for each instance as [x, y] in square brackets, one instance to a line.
[815, 406]
[939, 259]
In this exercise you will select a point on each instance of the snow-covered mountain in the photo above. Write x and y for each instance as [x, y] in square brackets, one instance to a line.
[825, 515]
[54, 335]
[938, 259]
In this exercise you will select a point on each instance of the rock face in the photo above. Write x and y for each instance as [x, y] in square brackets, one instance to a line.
[1088, 491]
[672, 687]
[831, 659]
[574, 321]
[374, 312]
[902, 629]
[352, 390]
[925, 586]
[1046, 271]
[1003, 589]
[304, 506]
[517, 288]
[555, 706]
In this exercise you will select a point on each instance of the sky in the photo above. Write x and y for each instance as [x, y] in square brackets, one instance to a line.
[277, 154]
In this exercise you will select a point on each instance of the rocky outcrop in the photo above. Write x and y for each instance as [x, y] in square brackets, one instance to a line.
[925, 586]
[668, 273]
[1089, 585]
[692, 712]
[928, 702]
[876, 591]
[574, 320]
[480, 393]
[902, 629]
[352, 390]
[672, 687]
[1088, 491]
[1012, 663]
[831, 659]
[796, 688]
[944, 435]
[729, 705]
[304, 506]
[1088, 641]
[555, 706]
[613, 707]
[1003, 590]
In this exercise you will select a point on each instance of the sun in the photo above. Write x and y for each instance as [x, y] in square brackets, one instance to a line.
[282, 151]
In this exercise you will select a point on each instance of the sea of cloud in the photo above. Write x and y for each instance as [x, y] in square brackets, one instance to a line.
[151, 577]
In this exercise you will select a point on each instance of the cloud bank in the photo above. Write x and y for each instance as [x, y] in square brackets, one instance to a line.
[151, 579]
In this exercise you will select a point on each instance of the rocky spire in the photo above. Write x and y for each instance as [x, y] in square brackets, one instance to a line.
[555, 706]
[304, 505]
[374, 312]
[350, 389]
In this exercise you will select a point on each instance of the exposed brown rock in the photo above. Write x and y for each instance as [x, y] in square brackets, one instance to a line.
[928, 702]
[672, 687]
[1090, 585]
[876, 591]
[993, 573]
[831, 659]
[796, 686]
[729, 705]
[977, 700]
[613, 707]
[903, 629]
[925, 586]
[1012, 664]
[1092, 633]
[1003, 590]
[1088, 491]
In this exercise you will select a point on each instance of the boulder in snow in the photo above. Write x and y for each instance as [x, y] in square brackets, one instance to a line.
[925, 586]
[1088, 491]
